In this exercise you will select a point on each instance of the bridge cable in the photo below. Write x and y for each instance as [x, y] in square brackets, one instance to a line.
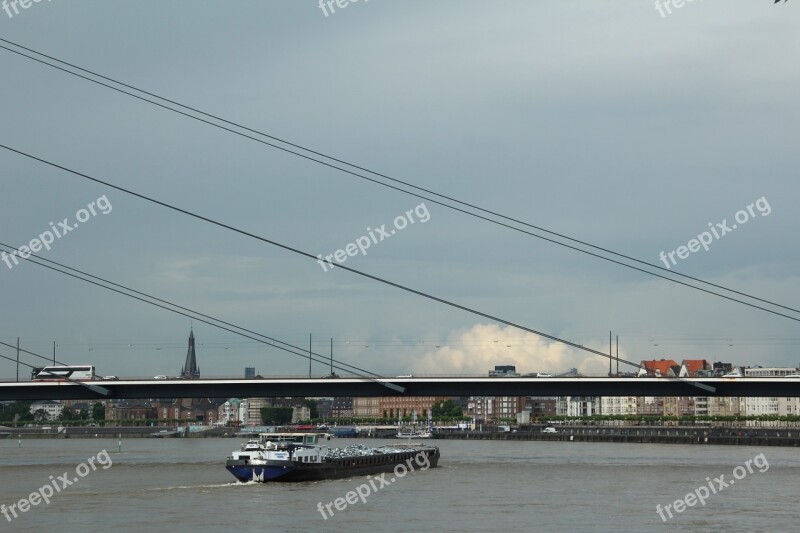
[405, 183]
[319, 358]
[311, 256]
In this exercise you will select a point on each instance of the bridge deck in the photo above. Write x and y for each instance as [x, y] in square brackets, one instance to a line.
[429, 386]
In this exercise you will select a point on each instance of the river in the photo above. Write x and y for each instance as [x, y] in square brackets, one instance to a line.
[182, 485]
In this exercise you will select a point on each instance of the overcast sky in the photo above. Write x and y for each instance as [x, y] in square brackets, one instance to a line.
[605, 121]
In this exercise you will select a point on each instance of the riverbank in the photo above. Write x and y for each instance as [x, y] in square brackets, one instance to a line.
[678, 435]
[673, 435]
[133, 432]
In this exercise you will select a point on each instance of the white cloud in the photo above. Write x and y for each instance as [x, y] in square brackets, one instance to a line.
[480, 348]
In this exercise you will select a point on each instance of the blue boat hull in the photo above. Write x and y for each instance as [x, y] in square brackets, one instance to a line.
[260, 474]
[282, 471]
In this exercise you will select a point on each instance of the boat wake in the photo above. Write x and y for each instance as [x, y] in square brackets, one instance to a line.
[213, 486]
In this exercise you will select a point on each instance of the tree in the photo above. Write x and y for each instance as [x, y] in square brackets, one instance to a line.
[19, 411]
[67, 414]
[98, 411]
[446, 409]
[276, 415]
[40, 416]
[312, 406]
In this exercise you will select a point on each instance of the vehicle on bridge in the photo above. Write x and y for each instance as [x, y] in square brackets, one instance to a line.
[63, 373]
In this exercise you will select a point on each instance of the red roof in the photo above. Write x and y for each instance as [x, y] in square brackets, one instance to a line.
[664, 366]
[695, 365]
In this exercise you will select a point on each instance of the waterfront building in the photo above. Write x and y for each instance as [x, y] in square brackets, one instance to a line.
[771, 405]
[720, 368]
[618, 405]
[650, 406]
[762, 406]
[578, 405]
[244, 413]
[324, 407]
[540, 406]
[789, 406]
[226, 414]
[406, 405]
[693, 368]
[366, 407]
[232, 413]
[770, 372]
[131, 410]
[502, 371]
[342, 407]
[51, 408]
[301, 413]
[678, 406]
[696, 368]
[254, 406]
[726, 406]
[660, 368]
[190, 410]
[490, 408]
[701, 405]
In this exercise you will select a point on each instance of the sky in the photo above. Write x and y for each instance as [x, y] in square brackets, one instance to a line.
[616, 123]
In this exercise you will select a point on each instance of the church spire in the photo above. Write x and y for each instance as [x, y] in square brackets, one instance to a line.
[190, 368]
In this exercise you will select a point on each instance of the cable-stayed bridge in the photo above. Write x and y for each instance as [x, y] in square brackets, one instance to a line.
[392, 386]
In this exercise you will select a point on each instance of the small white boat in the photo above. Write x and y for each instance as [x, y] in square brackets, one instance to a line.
[252, 446]
[413, 434]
